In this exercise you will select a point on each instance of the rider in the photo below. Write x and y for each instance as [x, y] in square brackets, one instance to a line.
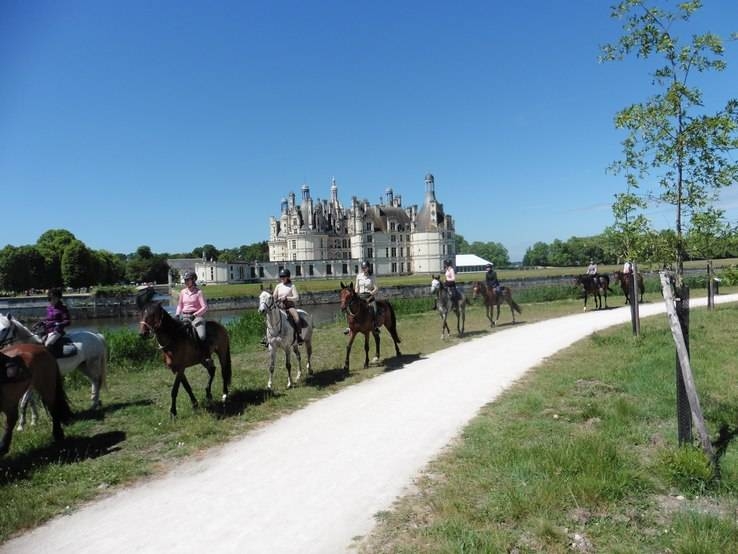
[366, 288]
[592, 269]
[450, 280]
[286, 295]
[627, 267]
[490, 278]
[57, 319]
[192, 305]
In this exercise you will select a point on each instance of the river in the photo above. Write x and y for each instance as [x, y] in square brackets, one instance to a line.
[322, 314]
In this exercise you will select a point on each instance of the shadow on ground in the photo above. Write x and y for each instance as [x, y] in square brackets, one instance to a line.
[71, 450]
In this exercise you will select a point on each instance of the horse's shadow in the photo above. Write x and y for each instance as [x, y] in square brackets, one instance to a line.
[327, 377]
[99, 414]
[71, 450]
[398, 362]
[472, 334]
[238, 401]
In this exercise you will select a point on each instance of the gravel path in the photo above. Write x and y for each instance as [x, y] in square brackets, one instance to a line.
[311, 481]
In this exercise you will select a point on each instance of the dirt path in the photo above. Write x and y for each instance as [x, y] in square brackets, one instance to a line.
[312, 481]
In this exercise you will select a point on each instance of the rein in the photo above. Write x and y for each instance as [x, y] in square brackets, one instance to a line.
[274, 313]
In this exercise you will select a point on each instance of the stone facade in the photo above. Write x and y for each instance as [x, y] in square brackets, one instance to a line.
[393, 239]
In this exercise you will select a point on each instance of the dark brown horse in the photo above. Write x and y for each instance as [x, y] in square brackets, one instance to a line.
[181, 349]
[492, 298]
[361, 320]
[622, 278]
[597, 286]
[32, 366]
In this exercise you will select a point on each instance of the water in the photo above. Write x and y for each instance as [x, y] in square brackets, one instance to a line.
[322, 314]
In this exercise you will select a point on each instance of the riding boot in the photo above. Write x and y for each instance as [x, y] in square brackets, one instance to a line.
[298, 333]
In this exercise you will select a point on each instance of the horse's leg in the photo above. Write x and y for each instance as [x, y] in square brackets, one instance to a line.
[366, 350]
[175, 391]
[272, 360]
[298, 356]
[512, 310]
[462, 309]
[11, 417]
[375, 332]
[188, 388]
[288, 365]
[23, 406]
[309, 350]
[352, 336]
[210, 366]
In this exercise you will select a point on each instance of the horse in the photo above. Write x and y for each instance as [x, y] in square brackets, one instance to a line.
[90, 355]
[35, 367]
[181, 349]
[281, 334]
[361, 320]
[597, 286]
[444, 303]
[492, 298]
[622, 278]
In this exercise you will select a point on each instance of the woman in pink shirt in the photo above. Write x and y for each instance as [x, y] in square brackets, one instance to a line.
[192, 305]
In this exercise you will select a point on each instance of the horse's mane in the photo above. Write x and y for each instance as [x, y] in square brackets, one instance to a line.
[7, 321]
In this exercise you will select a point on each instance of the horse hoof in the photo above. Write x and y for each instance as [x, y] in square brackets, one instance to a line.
[19, 428]
[224, 398]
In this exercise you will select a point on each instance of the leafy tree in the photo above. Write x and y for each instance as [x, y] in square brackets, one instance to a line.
[492, 251]
[51, 245]
[708, 234]
[78, 265]
[144, 252]
[536, 255]
[21, 268]
[110, 268]
[669, 134]
[462, 247]
[628, 236]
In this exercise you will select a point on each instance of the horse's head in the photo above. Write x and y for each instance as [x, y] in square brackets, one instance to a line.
[266, 302]
[152, 316]
[435, 284]
[346, 295]
[476, 289]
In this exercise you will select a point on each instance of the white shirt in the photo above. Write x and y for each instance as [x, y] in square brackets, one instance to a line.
[365, 283]
[286, 292]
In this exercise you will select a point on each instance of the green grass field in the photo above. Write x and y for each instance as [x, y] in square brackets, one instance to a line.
[133, 438]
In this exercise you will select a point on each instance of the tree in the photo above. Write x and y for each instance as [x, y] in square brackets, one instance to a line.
[51, 245]
[21, 268]
[78, 265]
[462, 247]
[628, 236]
[492, 251]
[669, 134]
[708, 234]
[536, 255]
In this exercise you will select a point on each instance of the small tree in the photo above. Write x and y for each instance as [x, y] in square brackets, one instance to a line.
[668, 134]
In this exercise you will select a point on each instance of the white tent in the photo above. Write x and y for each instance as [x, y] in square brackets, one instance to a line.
[470, 262]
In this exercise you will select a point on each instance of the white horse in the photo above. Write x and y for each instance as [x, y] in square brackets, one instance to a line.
[281, 334]
[91, 357]
[444, 304]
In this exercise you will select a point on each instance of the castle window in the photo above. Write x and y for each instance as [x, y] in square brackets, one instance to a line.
[394, 252]
[344, 268]
[394, 267]
[370, 252]
[369, 227]
[328, 269]
[311, 270]
[393, 238]
[298, 270]
[393, 226]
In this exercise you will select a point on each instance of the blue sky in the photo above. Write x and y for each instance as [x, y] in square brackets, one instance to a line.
[177, 124]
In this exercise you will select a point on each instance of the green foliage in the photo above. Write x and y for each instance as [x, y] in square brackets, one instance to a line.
[670, 139]
[687, 469]
[77, 266]
[247, 329]
[128, 350]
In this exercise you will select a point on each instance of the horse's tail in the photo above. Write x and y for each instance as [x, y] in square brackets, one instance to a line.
[61, 410]
[393, 324]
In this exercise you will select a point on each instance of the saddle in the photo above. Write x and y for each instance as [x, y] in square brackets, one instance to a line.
[13, 369]
[63, 348]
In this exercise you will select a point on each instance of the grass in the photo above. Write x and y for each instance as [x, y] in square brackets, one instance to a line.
[582, 455]
[132, 438]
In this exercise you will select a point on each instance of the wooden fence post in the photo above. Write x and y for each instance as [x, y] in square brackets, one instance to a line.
[684, 367]
[710, 287]
[634, 293]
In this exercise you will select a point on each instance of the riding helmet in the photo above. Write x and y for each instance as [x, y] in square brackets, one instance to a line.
[284, 273]
[364, 265]
[190, 275]
[446, 263]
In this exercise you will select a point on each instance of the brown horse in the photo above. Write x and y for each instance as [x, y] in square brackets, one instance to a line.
[181, 349]
[34, 366]
[492, 298]
[597, 286]
[361, 320]
[622, 278]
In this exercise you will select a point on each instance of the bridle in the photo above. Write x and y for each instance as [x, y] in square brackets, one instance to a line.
[352, 299]
[270, 304]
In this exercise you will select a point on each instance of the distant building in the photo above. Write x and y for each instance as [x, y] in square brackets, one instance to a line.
[323, 238]
[325, 235]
